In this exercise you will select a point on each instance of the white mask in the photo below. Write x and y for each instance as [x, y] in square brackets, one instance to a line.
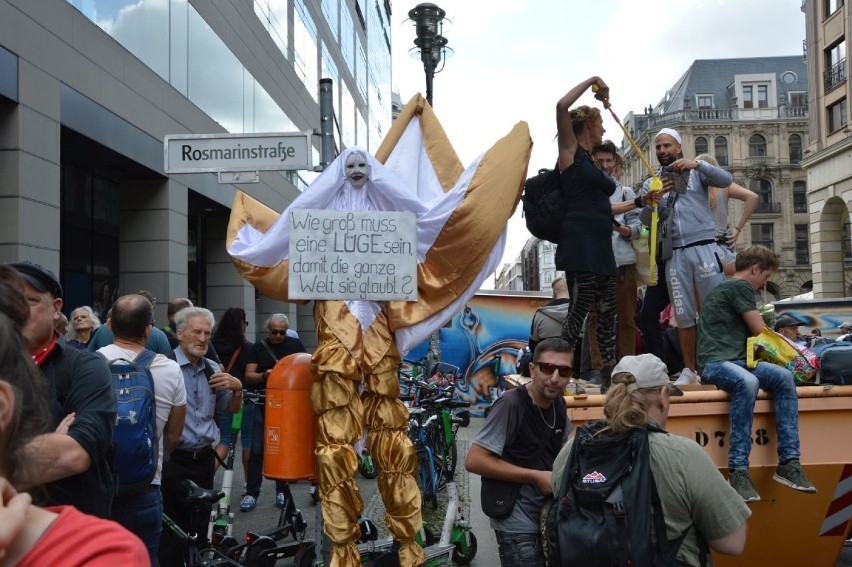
[356, 169]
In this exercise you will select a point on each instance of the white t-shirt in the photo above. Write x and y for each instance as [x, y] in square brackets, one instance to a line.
[169, 389]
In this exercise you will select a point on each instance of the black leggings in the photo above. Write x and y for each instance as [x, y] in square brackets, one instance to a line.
[586, 288]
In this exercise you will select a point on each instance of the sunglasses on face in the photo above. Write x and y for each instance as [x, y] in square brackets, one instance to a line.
[277, 333]
[549, 368]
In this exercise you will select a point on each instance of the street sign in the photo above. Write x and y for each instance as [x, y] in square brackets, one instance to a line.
[211, 153]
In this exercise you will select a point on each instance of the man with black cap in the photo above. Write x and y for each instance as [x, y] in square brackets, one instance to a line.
[73, 461]
[788, 326]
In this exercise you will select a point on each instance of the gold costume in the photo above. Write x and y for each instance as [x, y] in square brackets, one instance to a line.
[347, 353]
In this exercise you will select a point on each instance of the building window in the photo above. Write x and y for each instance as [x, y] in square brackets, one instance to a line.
[800, 197]
[748, 97]
[700, 145]
[831, 6]
[761, 234]
[847, 243]
[837, 117]
[795, 144]
[835, 65]
[798, 98]
[757, 146]
[705, 101]
[765, 204]
[756, 96]
[720, 146]
[803, 256]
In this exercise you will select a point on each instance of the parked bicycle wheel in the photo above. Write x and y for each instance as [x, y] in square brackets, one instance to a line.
[367, 466]
[425, 469]
[465, 550]
[445, 454]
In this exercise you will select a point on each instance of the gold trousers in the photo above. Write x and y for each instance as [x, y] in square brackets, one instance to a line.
[341, 416]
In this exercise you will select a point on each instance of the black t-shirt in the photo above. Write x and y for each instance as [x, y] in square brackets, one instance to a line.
[259, 354]
[81, 382]
[226, 350]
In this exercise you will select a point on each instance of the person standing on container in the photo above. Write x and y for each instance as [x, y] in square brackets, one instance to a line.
[728, 318]
[584, 251]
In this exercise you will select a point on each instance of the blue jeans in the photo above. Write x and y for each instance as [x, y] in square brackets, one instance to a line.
[520, 550]
[247, 425]
[254, 474]
[143, 516]
[742, 384]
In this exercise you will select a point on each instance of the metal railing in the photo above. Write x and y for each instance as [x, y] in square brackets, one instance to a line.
[768, 208]
[835, 75]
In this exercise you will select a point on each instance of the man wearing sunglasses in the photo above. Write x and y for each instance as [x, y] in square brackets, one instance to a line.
[262, 358]
[524, 432]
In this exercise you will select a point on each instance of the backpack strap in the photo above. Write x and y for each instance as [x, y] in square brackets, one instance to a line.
[145, 358]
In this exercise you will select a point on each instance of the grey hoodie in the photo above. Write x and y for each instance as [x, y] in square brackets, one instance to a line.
[547, 321]
[692, 220]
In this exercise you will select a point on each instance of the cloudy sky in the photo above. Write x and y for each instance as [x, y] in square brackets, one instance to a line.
[515, 58]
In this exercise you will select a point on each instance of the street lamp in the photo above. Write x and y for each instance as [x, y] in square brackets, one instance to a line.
[430, 44]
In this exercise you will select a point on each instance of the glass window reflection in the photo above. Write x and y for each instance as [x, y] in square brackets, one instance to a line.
[305, 54]
[215, 75]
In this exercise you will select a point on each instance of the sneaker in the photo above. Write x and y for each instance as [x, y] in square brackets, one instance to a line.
[741, 482]
[793, 476]
[687, 377]
[248, 503]
[280, 500]
[591, 378]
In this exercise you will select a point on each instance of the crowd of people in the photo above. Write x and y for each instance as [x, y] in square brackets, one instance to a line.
[710, 290]
[58, 411]
[58, 406]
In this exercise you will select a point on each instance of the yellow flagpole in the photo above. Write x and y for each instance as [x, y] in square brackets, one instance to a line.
[656, 185]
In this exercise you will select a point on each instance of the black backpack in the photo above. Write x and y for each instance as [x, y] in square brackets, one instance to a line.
[544, 204]
[607, 506]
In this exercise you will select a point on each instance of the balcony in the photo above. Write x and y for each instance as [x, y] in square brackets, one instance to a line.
[793, 111]
[768, 209]
[834, 76]
[713, 114]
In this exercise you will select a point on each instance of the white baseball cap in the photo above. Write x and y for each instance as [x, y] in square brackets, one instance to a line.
[649, 372]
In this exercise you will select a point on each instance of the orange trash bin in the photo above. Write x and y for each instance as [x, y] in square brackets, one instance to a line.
[290, 436]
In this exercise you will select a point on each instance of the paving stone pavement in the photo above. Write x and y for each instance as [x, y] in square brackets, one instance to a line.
[265, 515]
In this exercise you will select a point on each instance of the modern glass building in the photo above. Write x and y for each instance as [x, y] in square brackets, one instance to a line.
[90, 88]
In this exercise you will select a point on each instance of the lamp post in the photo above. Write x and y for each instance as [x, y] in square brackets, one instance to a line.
[430, 45]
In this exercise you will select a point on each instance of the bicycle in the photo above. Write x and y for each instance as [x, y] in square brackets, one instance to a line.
[442, 432]
[430, 475]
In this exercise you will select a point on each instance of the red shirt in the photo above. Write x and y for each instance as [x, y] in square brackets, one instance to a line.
[75, 538]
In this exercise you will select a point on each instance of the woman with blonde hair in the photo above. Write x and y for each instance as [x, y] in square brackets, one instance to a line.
[698, 505]
[584, 251]
[726, 237]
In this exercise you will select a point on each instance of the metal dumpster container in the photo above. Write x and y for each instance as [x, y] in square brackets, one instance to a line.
[786, 527]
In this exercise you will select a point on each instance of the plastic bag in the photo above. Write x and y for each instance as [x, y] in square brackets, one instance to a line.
[772, 347]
